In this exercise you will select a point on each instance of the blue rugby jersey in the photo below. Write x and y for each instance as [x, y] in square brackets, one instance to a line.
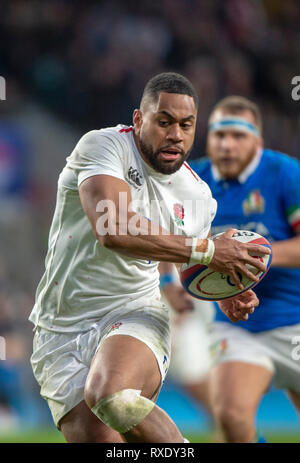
[265, 199]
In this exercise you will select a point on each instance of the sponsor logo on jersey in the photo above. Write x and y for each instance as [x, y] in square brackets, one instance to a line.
[134, 176]
[178, 214]
[254, 202]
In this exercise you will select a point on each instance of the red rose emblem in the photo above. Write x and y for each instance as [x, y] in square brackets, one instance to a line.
[179, 211]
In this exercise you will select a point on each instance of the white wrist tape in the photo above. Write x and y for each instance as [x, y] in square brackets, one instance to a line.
[202, 257]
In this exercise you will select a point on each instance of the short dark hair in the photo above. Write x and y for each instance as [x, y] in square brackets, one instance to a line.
[237, 104]
[169, 82]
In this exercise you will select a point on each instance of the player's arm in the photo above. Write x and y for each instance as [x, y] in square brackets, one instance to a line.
[286, 253]
[126, 232]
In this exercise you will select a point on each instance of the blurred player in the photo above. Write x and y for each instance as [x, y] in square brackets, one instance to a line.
[190, 337]
[256, 189]
[101, 346]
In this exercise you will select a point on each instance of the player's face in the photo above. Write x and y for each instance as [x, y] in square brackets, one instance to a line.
[165, 131]
[232, 150]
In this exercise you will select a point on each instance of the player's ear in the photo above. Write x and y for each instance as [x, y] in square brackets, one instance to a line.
[137, 120]
[260, 143]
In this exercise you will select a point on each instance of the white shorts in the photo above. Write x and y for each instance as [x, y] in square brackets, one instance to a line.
[190, 359]
[275, 350]
[61, 362]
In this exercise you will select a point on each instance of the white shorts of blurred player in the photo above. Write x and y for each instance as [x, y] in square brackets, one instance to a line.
[274, 350]
[190, 344]
[61, 361]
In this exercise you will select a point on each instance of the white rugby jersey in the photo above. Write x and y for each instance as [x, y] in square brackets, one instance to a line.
[85, 281]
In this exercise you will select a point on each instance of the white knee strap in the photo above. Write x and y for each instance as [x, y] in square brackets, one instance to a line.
[123, 410]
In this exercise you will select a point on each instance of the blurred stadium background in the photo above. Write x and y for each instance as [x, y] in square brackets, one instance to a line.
[71, 67]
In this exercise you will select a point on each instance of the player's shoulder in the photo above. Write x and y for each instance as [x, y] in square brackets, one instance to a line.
[105, 135]
[193, 179]
[279, 158]
[280, 162]
[189, 172]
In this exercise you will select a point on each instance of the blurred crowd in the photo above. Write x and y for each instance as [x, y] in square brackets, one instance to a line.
[89, 61]
[73, 66]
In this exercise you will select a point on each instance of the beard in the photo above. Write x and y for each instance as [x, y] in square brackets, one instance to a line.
[162, 166]
[230, 171]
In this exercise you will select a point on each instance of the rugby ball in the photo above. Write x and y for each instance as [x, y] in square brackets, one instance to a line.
[204, 283]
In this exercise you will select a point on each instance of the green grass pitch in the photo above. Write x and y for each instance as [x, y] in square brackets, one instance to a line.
[53, 436]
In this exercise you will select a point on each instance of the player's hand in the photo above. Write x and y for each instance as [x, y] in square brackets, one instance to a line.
[231, 256]
[178, 298]
[239, 307]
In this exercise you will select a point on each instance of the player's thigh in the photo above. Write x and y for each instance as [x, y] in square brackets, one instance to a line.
[122, 362]
[238, 386]
[80, 425]
[134, 353]
[242, 368]
[279, 342]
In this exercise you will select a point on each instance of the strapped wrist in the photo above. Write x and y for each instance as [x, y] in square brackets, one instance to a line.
[166, 279]
[202, 251]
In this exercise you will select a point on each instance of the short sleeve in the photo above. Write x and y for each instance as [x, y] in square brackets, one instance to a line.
[210, 210]
[97, 152]
[290, 190]
[213, 209]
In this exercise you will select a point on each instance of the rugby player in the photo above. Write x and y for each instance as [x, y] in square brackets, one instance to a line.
[102, 346]
[256, 189]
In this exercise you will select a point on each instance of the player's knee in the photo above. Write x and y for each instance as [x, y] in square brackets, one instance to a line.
[123, 410]
[233, 416]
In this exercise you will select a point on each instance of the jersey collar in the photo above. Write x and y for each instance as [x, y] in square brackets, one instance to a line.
[245, 174]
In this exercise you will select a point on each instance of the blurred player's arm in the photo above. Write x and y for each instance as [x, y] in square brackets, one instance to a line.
[286, 253]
